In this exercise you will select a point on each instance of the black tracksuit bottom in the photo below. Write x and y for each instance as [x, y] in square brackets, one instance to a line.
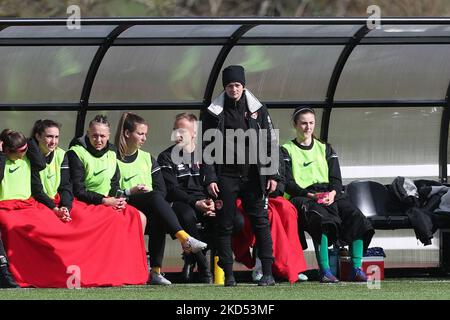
[342, 222]
[161, 220]
[254, 203]
[190, 217]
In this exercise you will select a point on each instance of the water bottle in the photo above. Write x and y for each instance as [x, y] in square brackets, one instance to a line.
[219, 275]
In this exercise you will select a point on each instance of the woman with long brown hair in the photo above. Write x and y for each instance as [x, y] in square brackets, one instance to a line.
[314, 186]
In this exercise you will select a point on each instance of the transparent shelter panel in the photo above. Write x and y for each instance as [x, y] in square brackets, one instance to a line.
[56, 32]
[47, 74]
[294, 31]
[23, 121]
[179, 31]
[142, 74]
[395, 72]
[285, 73]
[383, 143]
[387, 30]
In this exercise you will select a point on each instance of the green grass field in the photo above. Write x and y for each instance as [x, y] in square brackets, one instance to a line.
[390, 289]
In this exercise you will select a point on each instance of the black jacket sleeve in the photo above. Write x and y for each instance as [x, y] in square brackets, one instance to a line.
[38, 163]
[281, 185]
[65, 186]
[37, 190]
[37, 159]
[271, 143]
[174, 190]
[77, 178]
[334, 170]
[208, 170]
[2, 165]
[292, 188]
[115, 183]
[158, 183]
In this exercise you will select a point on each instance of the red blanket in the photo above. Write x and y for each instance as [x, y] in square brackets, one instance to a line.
[99, 247]
[287, 250]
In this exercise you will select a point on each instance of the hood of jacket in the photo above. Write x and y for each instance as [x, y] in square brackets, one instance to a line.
[84, 142]
[217, 105]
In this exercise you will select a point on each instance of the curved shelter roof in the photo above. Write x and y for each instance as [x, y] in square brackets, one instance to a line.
[384, 88]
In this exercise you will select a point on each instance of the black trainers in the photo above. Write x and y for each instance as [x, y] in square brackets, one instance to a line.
[205, 277]
[266, 280]
[230, 281]
[188, 268]
[6, 278]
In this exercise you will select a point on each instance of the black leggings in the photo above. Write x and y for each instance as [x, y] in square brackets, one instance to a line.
[161, 220]
[341, 221]
[187, 217]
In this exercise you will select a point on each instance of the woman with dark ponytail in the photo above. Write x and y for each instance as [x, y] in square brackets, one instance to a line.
[31, 232]
[143, 184]
[17, 160]
[61, 238]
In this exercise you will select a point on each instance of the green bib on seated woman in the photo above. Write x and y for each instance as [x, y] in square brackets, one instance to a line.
[51, 175]
[308, 166]
[136, 172]
[98, 171]
[16, 180]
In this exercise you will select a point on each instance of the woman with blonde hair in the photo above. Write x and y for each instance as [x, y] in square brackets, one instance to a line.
[95, 175]
[143, 184]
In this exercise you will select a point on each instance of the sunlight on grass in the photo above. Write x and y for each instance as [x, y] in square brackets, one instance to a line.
[390, 289]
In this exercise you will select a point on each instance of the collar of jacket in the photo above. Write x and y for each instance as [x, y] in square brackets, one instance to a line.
[216, 107]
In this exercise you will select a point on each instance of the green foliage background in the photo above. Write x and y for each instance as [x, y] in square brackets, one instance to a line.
[148, 8]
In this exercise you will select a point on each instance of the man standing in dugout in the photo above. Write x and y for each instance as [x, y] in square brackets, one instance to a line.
[237, 110]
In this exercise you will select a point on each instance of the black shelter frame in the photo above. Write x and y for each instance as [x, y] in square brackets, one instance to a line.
[360, 37]
[227, 43]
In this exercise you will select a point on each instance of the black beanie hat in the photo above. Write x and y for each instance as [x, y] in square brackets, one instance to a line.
[233, 74]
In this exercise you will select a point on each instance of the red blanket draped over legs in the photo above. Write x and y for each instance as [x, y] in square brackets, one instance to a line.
[100, 246]
[287, 250]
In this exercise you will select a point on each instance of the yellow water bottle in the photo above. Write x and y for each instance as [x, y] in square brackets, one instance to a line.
[219, 275]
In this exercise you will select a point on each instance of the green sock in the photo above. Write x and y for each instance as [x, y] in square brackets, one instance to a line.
[357, 253]
[322, 253]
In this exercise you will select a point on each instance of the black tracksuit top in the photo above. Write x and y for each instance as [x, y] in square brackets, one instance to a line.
[183, 180]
